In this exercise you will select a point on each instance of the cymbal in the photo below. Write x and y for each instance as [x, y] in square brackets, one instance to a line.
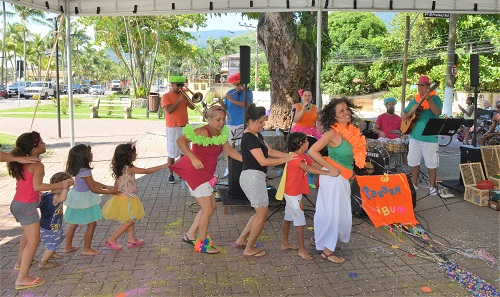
[398, 132]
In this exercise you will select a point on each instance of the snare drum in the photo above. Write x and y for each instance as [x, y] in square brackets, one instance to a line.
[394, 145]
[377, 161]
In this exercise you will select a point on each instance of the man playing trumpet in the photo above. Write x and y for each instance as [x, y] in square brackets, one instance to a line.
[234, 103]
[175, 104]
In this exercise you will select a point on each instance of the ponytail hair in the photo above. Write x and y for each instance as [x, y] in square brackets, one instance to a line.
[25, 143]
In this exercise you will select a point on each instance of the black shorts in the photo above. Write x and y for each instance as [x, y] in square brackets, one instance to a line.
[468, 123]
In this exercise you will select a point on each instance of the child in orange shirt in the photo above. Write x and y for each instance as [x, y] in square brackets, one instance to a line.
[297, 184]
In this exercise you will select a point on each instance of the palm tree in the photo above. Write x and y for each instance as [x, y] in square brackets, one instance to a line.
[78, 38]
[13, 39]
[29, 15]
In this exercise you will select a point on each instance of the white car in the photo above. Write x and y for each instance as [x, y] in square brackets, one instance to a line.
[43, 89]
[96, 90]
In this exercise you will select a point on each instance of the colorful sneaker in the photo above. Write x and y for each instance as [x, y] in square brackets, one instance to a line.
[171, 179]
[312, 186]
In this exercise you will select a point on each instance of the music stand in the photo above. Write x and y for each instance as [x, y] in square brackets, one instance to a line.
[447, 126]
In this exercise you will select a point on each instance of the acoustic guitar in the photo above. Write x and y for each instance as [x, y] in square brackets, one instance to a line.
[414, 114]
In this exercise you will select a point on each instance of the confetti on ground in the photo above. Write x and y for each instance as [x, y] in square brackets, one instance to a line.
[121, 295]
[410, 255]
[395, 247]
[353, 274]
[426, 289]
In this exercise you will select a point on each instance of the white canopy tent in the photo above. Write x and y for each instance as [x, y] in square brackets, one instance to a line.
[158, 7]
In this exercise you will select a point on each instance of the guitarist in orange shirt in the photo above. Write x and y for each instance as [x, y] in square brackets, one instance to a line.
[425, 146]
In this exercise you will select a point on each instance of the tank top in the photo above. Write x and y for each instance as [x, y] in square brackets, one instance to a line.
[308, 119]
[471, 117]
[25, 192]
[126, 182]
[342, 154]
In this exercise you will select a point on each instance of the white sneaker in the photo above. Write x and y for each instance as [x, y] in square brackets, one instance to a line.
[445, 194]
[433, 191]
[415, 187]
[226, 173]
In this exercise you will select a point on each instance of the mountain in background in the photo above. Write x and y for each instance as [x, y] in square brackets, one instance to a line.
[201, 37]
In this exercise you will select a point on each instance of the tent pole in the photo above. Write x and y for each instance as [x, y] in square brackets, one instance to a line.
[70, 77]
[319, 31]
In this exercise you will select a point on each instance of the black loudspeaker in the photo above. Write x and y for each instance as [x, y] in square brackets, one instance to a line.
[235, 191]
[244, 64]
[235, 167]
[356, 208]
[474, 70]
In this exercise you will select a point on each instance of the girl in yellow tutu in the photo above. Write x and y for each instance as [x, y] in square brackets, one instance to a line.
[127, 207]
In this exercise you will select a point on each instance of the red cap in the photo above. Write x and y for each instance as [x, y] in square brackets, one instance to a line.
[424, 80]
[234, 79]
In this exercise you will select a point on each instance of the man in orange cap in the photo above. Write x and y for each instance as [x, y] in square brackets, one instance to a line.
[234, 102]
[425, 146]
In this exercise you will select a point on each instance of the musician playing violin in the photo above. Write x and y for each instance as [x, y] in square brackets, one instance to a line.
[423, 146]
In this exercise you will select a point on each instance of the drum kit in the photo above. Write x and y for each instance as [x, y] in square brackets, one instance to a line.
[385, 157]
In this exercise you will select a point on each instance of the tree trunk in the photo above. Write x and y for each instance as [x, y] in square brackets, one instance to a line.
[290, 60]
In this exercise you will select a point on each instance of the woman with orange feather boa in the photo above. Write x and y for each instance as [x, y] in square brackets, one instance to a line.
[333, 218]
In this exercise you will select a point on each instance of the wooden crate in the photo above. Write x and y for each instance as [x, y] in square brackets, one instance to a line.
[491, 160]
[472, 173]
[495, 181]
[476, 196]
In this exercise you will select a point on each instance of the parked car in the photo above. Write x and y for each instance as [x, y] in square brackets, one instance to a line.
[13, 89]
[44, 89]
[77, 89]
[85, 89]
[96, 90]
[3, 92]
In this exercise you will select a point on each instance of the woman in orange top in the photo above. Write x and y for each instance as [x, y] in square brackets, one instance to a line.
[305, 118]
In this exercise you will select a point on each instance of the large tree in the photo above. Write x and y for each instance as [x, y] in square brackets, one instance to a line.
[138, 41]
[289, 41]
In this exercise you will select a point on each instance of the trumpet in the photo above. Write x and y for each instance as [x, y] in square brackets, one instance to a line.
[194, 99]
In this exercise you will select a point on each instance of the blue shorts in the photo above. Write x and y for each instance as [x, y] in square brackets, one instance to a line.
[52, 238]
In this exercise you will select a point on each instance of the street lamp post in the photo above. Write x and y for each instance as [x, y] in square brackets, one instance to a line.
[256, 80]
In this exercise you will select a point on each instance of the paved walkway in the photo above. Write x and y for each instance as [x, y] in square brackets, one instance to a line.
[377, 262]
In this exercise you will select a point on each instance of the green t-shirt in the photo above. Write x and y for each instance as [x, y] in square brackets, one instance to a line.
[425, 115]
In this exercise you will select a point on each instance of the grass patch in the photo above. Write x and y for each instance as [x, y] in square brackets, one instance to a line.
[82, 111]
[7, 141]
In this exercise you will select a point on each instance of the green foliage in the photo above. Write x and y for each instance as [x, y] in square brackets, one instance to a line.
[367, 58]
[64, 103]
[141, 92]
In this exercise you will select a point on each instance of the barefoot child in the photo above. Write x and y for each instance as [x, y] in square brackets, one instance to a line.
[51, 229]
[82, 204]
[24, 205]
[126, 207]
[296, 184]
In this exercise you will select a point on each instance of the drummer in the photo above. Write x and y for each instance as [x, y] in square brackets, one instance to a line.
[388, 123]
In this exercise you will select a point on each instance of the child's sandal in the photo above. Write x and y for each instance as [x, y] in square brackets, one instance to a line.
[205, 246]
[136, 243]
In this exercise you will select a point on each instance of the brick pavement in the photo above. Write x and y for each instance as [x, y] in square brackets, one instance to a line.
[166, 266]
